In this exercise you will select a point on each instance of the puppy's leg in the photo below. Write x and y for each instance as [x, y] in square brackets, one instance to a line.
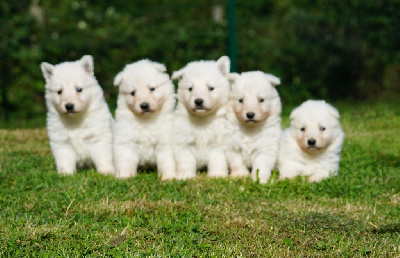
[237, 165]
[126, 161]
[264, 165]
[319, 176]
[185, 164]
[287, 169]
[217, 164]
[166, 164]
[65, 158]
[102, 157]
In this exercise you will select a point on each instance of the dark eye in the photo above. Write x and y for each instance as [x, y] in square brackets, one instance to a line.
[152, 88]
[133, 93]
[240, 100]
[59, 92]
[302, 129]
[210, 88]
[322, 128]
[191, 88]
[261, 100]
[78, 89]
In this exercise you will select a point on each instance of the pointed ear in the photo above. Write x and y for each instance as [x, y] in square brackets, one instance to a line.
[177, 75]
[118, 79]
[273, 79]
[224, 65]
[47, 70]
[232, 77]
[159, 67]
[87, 63]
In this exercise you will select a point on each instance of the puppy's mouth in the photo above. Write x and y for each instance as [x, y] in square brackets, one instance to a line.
[199, 109]
[251, 121]
[145, 112]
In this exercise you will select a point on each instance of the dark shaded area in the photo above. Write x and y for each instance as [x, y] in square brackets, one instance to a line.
[320, 49]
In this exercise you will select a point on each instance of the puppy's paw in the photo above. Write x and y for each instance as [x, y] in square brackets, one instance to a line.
[218, 173]
[125, 174]
[316, 178]
[243, 172]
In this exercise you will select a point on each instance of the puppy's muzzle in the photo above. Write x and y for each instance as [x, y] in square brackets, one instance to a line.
[250, 118]
[198, 103]
[145, 107]
[69, 107]
[311, 143]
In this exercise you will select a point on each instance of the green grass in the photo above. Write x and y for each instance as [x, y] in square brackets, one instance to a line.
[354, 214]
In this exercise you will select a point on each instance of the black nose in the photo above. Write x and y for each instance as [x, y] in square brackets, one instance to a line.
[198, 102]
[250, 115]
[69, 106]
[145, 106]
[311, 142]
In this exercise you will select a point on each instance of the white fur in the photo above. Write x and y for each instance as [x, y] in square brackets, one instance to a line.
[253, 142]
[82, 135]
[312, 120]
[142, 137]
[199, 131]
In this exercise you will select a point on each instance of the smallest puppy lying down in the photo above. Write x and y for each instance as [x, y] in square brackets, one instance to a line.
[143, 119]
[254, 126]
[311, 146]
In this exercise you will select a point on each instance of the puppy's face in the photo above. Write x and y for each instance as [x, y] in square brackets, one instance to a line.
[254, 97]
[203, 87]
[315, 125]
[144, 87]
[69, 85]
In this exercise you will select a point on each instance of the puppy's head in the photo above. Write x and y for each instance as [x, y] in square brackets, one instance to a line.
[69, 85]
[315, 124]
[254, 97]
[144, 87]
[203, 86]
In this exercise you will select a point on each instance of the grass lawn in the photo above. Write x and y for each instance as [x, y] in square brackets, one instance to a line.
[354, 214]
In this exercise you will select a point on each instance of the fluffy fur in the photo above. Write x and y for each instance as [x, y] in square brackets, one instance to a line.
[200, 122]
[144, 117]
[79, 123]
[254, 125]
[311, 146]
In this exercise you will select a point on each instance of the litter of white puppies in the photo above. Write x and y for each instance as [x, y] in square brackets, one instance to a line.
[223, 122]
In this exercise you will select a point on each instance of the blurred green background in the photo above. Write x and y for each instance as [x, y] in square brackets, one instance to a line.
[331, 49]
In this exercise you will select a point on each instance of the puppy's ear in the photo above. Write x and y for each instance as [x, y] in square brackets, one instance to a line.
[177, 75]
[159, 67]
[87, 64]
[294, 113]
[118, 79]
[47, 70]
[273, 79]
[224, 65]
[333, 111]
[232, 77]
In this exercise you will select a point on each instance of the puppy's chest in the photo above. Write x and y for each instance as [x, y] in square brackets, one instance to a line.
[246, 144]
[207, 136]
[149, 135]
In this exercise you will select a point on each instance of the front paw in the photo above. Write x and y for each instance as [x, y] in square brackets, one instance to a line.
[218, 173]
[125, 174]
[239, 173]
[316, 178]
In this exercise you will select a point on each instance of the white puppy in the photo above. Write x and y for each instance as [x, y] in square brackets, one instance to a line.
[254, 130]
[79, 122]
[200, 121]
[144, 117]
[311, 146]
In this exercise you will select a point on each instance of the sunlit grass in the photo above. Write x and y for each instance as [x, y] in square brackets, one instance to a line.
[356, 213]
